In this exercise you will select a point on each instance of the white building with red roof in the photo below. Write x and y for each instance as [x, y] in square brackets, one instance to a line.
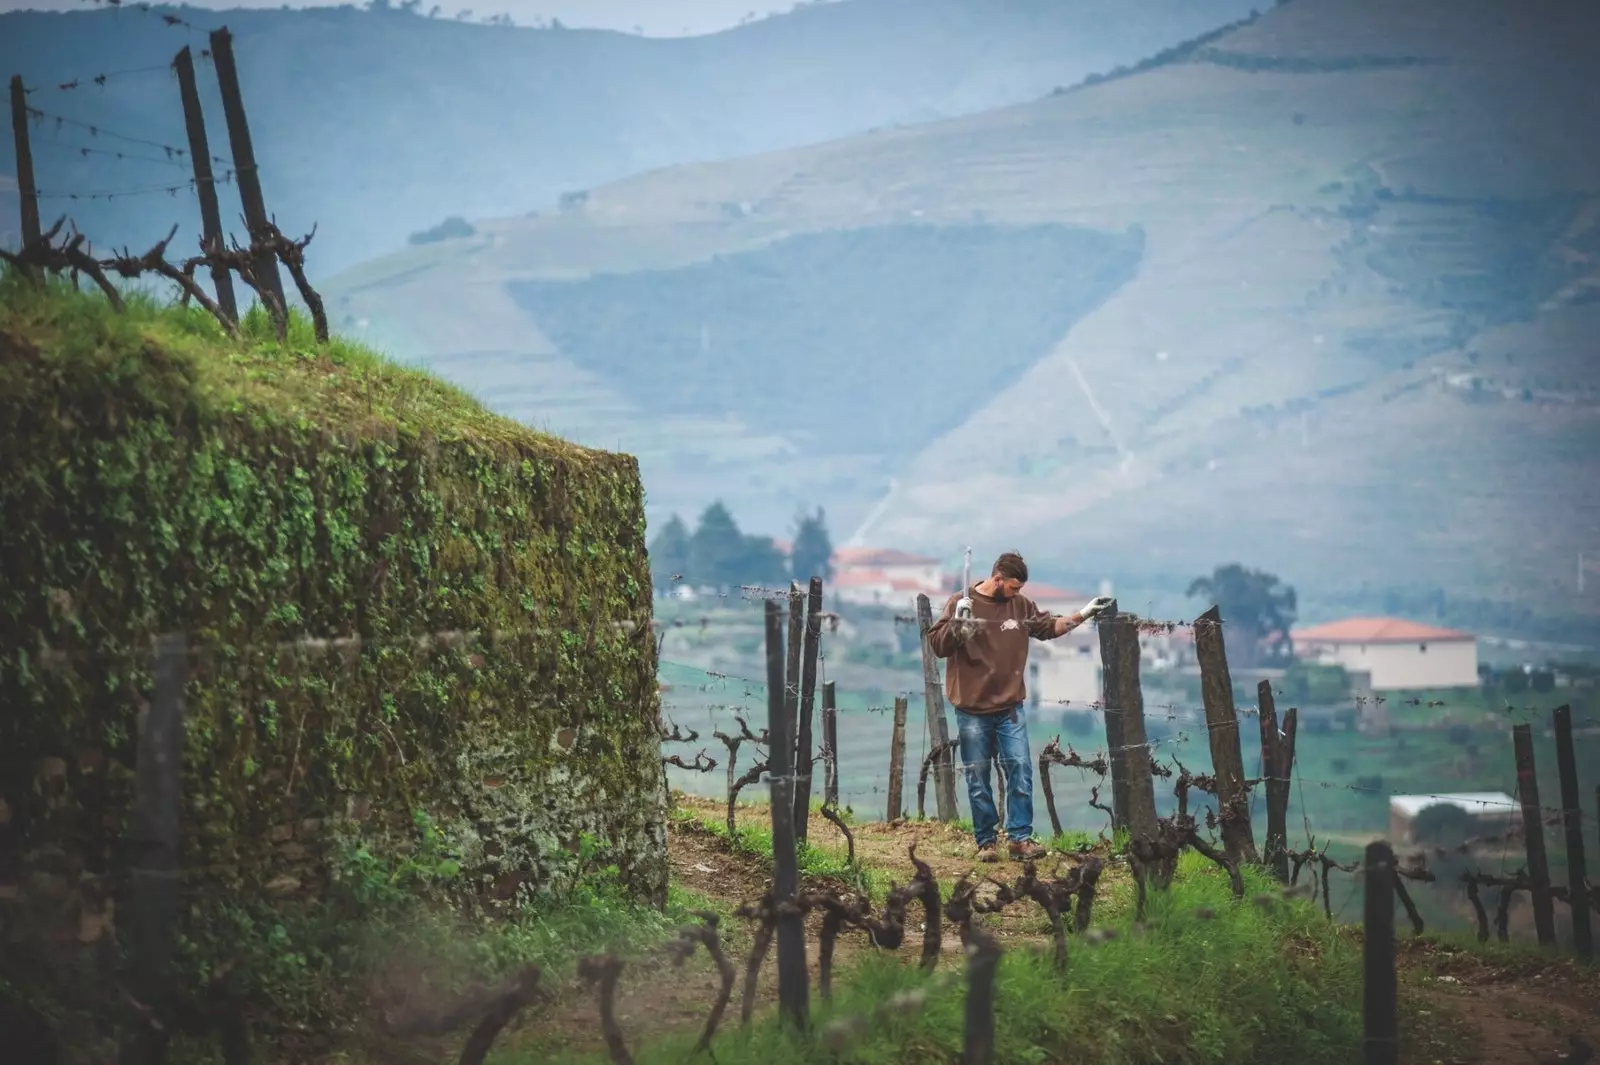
[1396, 655]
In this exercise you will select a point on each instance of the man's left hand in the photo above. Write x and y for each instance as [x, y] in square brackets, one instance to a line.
[1095, 607]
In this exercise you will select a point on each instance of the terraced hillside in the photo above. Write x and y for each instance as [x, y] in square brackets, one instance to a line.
[1348, 213]
[378, 122]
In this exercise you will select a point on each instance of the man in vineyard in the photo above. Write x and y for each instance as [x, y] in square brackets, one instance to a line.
[984, 633]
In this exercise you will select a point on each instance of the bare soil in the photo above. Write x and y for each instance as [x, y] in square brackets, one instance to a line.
[1459, 1008]
[653, 998]
[1470, 1010]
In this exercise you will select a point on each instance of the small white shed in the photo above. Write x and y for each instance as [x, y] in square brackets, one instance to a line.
[1492, 813]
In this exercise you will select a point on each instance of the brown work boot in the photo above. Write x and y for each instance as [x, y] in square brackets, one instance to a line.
[1027, 850]
[988, 853]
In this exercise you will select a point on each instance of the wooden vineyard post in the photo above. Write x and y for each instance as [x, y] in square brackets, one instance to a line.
[1222, 724]
[1116, 752]
[244, 160]
[983, 959]
[1273, 747]
[791, 690]
[803, 762]
[1572, 823]
[205, 186]
[793, 989]
[153, 891]
[897, 762]
[1134, 795]
[938, 729]
[27, 192]
[1380, 990]
[1544, 919]
[830, 742]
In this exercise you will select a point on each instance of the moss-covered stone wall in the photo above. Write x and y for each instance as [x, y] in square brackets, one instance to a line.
[154, 478]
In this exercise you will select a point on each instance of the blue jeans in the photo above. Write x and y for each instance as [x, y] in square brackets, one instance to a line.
[983, 737]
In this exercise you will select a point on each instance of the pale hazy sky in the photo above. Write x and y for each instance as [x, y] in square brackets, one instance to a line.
[654, 17]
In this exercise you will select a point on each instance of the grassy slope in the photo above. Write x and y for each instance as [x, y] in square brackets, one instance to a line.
[1189, 985]
[378, 124]
[1325, 228]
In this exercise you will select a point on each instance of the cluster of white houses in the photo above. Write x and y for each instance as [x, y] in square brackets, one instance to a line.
[1379, 654]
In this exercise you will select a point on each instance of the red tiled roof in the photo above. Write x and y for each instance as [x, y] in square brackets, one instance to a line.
[1376, 630]
[879, 556]
[1049, 593]
[860, 578]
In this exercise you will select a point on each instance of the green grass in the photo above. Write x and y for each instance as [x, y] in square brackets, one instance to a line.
[1203, 980]
[754, 837]
[338, 383]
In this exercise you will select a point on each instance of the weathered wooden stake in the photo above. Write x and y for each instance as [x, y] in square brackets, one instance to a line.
[793, 990]
[938, 728]
[1286, 755]
[1572, 822]
[244, 158]
[830, 740]
[1222, 723]
[1380, 1002]
[27, 192]
[1277, 841]
[1124, 699]
[1544, 920]
[803, 760]
[204, 185]
[897, 761]
[983, 960]
[153, 890]
[1116, 745]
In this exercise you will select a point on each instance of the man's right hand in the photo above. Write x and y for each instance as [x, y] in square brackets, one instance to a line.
[963, 629]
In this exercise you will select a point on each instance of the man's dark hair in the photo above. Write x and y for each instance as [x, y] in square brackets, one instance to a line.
[1011, 566]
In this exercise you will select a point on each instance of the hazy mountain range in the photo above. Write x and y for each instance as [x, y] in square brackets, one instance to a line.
[1317, 294]
[376, 124]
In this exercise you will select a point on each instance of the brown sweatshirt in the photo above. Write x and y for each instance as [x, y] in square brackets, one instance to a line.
[987, 673]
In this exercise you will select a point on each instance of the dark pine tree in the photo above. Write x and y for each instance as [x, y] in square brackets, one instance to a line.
[669, 555]
[813, 550]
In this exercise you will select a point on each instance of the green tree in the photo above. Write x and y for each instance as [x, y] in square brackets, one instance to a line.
[813, 550]
[1257, 612]
[1442, 824]
[716, 549]
[761, 563]
[669, 555]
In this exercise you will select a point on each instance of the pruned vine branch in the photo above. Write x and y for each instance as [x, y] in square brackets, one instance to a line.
[701, 764]
[70, 254]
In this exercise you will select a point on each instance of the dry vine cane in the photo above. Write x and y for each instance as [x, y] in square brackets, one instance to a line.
[494, 1009]
[737, 783]
[705, 934]
[43, 255]
[603, 972]
[1509, 886]
[1051, 755]
[939, 750]
[701, 763]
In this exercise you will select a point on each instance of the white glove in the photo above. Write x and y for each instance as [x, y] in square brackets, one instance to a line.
[1095, 607]
[963, 607]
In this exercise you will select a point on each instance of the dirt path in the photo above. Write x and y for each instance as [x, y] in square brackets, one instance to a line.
[653, 998]
[1475, 1011]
